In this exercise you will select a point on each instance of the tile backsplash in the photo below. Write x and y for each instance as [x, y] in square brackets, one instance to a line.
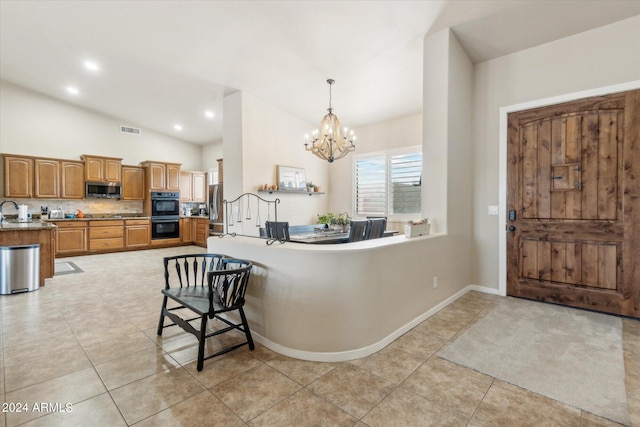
[87, 206]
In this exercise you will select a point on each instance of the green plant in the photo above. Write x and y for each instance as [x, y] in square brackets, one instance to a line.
[342, 219]
[326, 218]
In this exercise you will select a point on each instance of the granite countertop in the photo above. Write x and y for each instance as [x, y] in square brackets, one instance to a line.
[100, 217]
[195, 216]
[13, 225]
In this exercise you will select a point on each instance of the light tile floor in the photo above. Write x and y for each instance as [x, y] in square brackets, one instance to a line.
[89, 340]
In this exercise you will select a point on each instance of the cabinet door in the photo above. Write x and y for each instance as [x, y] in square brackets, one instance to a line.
[72, 180]
[220, 171]
[157, 176]
[186, 186]
[47, 178]
[18, 177]
[132, 183]
[137, 236]
[199, 187]
[112, 170]
[71, 240]
[186, 231]
[173, 177]
[93, 167]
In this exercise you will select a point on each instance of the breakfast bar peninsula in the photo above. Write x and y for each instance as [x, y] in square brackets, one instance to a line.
[336, 302]
[14, 233]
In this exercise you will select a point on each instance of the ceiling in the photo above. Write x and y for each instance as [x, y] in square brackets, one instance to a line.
[166, 62]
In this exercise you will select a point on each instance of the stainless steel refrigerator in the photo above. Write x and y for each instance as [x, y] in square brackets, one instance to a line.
[216, 210]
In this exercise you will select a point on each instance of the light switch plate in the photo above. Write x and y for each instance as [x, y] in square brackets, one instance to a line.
[493, 210]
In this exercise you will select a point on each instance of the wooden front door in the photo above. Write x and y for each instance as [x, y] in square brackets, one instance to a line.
[573, 204]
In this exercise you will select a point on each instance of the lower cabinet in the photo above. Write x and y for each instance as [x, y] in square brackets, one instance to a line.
[202, 232]
[186, 230]
[137, 233]
[71, 237]
[106, 235]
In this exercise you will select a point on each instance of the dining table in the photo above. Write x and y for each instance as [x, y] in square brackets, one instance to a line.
[328, 237]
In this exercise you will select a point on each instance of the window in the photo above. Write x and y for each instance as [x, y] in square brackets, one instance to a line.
[388, 183]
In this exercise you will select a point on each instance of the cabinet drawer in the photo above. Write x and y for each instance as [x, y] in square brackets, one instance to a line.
[105, 232]
[71, 224]
[137, 222]
[107, 223]
[101, 244]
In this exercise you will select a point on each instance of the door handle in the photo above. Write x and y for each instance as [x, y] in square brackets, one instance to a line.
[512, 228]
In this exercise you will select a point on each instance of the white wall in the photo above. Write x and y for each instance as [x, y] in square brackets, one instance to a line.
[258, 137]
[210, 154]
[397, 133]
[36, 125]
[601, 57]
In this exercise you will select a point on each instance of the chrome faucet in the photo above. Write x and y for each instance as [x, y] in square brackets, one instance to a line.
[7, 201]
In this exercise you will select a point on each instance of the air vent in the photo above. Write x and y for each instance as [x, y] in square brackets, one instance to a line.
[127, 129]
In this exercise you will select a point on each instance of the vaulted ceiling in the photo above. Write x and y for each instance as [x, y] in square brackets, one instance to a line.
[163, 63]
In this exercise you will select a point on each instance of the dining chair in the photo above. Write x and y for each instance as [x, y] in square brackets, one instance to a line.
[206, 287]
[278, 230]
[376, 227]
[358, 230]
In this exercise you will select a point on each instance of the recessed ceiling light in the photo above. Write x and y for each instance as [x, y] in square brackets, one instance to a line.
[73, 90]
[209, 114]
[177, 127]
[91, 66]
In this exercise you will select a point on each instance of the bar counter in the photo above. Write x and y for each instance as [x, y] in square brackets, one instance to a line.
[336, 302]
[13, 233]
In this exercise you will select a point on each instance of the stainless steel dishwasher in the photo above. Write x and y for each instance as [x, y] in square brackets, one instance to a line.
[19, 269]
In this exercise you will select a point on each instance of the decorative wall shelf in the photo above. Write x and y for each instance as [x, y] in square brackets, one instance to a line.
[313, 193]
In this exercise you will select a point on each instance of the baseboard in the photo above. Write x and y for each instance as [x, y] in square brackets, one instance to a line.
[366, 351]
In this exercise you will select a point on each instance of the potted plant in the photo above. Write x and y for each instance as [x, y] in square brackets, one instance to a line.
[310, 187]
[326, 219]
[342, 221]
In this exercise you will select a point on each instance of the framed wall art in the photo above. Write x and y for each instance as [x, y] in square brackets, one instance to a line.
[291, 179]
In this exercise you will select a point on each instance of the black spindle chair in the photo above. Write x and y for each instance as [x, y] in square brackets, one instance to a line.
[208, 285]
[376, 228]
[357, 230]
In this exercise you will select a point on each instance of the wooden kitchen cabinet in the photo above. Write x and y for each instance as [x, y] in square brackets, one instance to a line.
[186, 230]
[107, 235]
[132, 183]
[199, 180]
[220, 171]
[162, 176]
[137, 233]
[71, 237]
[186, 186]
[46, 178]
[18, 176]
[102, 169]
[193, 186]
[201, 232]
[71, 179]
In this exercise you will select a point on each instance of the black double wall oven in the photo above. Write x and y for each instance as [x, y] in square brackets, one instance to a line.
[165, 215]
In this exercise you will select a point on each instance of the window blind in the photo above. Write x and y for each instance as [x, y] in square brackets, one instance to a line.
[388, 183]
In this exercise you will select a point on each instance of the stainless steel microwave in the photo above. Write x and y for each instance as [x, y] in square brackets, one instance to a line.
[103, 190]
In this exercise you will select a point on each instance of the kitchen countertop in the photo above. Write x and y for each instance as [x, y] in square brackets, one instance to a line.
[96, 217]
[12, 225]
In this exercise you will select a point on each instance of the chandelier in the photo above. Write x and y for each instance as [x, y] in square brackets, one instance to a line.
[330, 143]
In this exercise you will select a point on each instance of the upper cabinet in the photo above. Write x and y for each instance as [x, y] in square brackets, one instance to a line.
[47, 178]
[220, 171]
[193, 186]
[132, 183]
[162, 176]
[71, 179]
[18, 176]
[102, 169]
[42, 178]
